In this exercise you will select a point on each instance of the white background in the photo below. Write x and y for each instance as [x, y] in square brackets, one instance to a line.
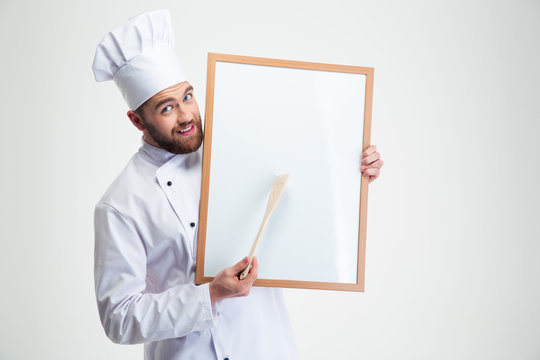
[453, 243]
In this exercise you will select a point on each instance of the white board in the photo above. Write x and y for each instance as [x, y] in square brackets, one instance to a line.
[271, 120]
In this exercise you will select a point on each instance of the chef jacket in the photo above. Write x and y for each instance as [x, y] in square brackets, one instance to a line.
[145, 250]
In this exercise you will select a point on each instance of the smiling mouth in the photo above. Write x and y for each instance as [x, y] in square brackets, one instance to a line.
[187, 131]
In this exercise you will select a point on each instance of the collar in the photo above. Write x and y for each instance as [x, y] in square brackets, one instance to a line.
[161, 157]
[156, 155]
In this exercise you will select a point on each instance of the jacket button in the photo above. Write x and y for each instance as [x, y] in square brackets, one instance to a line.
[169, 183]
[192, 224]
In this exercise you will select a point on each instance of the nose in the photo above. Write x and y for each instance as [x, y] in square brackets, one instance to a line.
[184, 115]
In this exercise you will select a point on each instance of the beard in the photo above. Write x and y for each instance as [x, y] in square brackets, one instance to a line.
[176, 143]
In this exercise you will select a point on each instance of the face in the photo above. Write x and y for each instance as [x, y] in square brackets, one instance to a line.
[171, 120]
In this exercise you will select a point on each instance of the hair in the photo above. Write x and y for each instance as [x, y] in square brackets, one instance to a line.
[140, 110]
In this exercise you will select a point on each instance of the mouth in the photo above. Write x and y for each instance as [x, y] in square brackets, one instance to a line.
[189, 130]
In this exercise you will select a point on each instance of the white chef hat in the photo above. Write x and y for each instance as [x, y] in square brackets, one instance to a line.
[139, 57]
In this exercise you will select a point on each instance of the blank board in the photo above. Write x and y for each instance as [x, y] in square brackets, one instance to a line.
[266, 117]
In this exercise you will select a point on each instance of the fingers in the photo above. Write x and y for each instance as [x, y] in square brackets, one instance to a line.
[371, 158]
[370, 150]
[226, 284]
[371, 163]
[371, 172]
[244, 286]
[239, 266]
[374, 165]
[247, 283]
[254, 271]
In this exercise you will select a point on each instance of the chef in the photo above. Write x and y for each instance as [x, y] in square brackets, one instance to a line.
[146, 222]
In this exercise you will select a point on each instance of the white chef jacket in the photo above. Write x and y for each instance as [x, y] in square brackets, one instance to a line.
[145, 250]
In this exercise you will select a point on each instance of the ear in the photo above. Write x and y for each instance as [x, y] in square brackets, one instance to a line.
[136, 120]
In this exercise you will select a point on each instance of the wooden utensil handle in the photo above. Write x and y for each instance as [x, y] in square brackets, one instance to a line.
[275, 194]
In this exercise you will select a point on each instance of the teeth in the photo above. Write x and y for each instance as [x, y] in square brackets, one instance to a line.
[189, 128]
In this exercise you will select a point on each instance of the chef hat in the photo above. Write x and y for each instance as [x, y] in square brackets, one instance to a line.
[139, 57]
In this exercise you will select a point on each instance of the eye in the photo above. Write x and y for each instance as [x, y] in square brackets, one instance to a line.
[166, 109]
[188, 97]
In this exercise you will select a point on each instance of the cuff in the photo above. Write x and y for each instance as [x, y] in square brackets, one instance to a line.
[211, 309]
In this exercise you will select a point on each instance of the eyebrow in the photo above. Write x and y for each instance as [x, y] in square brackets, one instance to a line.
[170, 98]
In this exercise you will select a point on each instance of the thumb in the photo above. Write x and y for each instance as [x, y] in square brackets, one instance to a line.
[241, 265]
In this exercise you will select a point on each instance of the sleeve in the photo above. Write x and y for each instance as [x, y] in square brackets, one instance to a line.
[128, 314]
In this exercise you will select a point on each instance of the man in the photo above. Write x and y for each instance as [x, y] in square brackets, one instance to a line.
[146, 223]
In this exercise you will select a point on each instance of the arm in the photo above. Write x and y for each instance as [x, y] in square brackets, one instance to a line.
[131, 315]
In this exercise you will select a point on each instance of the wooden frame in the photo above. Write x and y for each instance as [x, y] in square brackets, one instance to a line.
[213, 59]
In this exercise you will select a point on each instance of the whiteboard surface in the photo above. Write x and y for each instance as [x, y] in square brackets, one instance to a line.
[269, 121]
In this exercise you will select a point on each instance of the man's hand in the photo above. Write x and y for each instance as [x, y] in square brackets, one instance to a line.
[226, 283]
[371, 163]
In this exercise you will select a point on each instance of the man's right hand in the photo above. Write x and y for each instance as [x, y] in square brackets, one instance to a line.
[226, 283]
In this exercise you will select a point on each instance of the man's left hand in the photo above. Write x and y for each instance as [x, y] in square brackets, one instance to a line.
[371, 163]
